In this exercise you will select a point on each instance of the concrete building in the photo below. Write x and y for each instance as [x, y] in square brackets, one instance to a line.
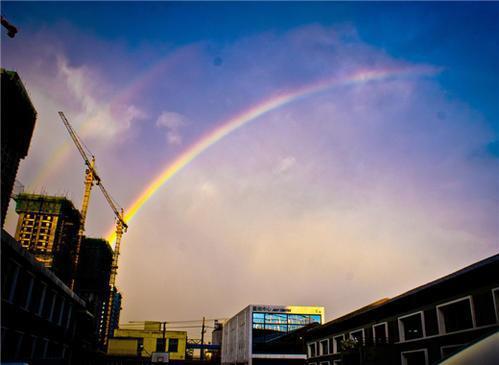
[92, 283]
[43, 321]
[142, 339]
[260, 334]
[115, 311]
[17, 125]
[419, 327]
[48, 228]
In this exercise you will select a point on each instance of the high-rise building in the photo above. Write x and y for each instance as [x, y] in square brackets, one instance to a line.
[17, 121]
[48, 228]
[115, 312]
[92, 283]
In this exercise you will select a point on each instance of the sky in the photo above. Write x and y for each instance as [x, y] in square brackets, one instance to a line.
[382, 179]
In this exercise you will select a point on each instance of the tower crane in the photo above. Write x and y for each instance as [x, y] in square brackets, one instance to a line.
[92, 177]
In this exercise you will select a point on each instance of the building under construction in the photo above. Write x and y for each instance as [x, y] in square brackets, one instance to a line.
[18, 122]
[92, 283]
[48, 228]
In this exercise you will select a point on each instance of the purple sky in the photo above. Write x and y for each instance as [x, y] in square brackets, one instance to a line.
[337, 199]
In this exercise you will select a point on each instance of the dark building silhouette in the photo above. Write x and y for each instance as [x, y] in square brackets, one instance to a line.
[43, 321]
[421, 326]
[92, 284]
[48, 228]
[18, 118]
[115, 312]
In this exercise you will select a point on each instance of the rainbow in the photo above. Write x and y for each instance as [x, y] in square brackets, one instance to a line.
[276, 101]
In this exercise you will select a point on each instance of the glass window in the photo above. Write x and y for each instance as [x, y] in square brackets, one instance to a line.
[411, 327]
[258, 326]
[324, 347]
[160, 344]
[276, 318]
[337, 343]
[379, 332]
[455, 316]
[414, 358]
[315, 319]
[258, 318]
[357, 336]
[276, 327]
[446, 351]
[312, 350]
[298, 319]
[173, 345]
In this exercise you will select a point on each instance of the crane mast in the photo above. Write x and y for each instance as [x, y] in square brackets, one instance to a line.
[92, 177]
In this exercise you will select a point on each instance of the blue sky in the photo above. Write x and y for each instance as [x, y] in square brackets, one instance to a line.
[457, 36]
[401, 170]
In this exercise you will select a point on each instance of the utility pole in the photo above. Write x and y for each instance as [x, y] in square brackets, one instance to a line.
[164, 336]
[201, 356]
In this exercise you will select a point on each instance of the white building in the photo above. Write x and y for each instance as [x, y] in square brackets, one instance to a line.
[263, 334]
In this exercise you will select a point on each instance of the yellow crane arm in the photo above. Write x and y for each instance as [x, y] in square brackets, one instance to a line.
[91, 176]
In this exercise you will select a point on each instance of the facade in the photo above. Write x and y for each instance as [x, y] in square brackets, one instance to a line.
[92, 284]
[17, 125]
[142, 339]
[115, 311]
[43, 321]
[260, 334]
[419, 327]
[48, 229]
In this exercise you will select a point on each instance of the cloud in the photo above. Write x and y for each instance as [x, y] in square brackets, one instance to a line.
[102, 118]
[284, 165]
[172, 122]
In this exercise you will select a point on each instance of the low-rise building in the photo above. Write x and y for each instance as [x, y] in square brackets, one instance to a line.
[144, 338]
[266, 334]
[419, 327]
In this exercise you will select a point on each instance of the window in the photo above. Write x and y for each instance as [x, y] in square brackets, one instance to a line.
[331, 346]
[324, 345]
[380, 333]
[446, 351]
[416, 357]
[160, 344]
[10, 273]
[495, 293]
[312, 350]
[282, 322]
[357, 336]
[173, 345]
[455, 316]
[411, 326]
[337, 341]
